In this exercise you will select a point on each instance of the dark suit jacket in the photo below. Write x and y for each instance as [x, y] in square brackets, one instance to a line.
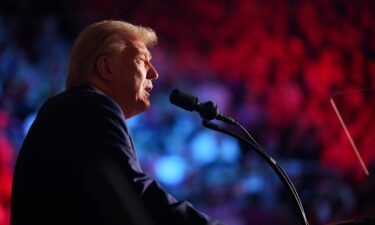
[77, 165]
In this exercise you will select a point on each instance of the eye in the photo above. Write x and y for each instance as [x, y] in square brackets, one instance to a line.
[139, 59]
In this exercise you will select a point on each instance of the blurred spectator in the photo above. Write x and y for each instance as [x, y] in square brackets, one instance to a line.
[273, 65]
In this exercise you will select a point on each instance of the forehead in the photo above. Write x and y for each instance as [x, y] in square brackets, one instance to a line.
[138, 48]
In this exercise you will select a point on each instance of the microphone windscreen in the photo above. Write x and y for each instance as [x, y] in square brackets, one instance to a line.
[183, 100]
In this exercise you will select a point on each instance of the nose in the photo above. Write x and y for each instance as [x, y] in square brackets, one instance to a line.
[152, 74]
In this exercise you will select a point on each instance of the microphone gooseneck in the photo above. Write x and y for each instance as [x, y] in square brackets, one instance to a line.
[208, 111]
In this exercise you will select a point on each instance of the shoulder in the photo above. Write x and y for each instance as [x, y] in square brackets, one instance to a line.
[80, 109]
[85, 99]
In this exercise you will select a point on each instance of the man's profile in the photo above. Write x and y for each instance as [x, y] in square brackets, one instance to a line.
[78, 164]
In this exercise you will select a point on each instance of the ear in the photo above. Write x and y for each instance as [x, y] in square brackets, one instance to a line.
[104, 68]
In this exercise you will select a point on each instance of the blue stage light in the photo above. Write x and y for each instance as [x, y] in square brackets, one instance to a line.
[171, 170]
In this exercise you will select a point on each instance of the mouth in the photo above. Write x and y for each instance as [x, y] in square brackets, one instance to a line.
[148, 89]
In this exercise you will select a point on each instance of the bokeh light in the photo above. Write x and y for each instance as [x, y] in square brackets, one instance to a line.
[273, 65]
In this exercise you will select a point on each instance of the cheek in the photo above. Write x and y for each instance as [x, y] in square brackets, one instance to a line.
[140, 80]
[139, 85]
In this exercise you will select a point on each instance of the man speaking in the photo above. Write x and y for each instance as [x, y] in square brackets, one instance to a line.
[78, 164]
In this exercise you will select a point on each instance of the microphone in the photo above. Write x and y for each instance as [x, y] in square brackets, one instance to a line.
[207, 110]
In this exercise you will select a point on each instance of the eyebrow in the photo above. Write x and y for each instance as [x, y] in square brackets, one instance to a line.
[145, 53]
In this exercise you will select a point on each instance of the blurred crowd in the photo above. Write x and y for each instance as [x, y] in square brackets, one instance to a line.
[276, 66]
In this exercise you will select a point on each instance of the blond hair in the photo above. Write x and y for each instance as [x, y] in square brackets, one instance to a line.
[102, 38]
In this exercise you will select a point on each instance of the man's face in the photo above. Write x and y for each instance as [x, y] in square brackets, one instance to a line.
[133, 75]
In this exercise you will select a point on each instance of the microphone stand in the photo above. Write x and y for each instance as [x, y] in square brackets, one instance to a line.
[275, 166]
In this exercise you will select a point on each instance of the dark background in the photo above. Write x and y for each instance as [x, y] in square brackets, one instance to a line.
[273, 65]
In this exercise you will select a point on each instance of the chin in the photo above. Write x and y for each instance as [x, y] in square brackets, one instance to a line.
[143, 107]
[147, 106]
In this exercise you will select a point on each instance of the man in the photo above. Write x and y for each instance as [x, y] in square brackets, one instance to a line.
[77, 164]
